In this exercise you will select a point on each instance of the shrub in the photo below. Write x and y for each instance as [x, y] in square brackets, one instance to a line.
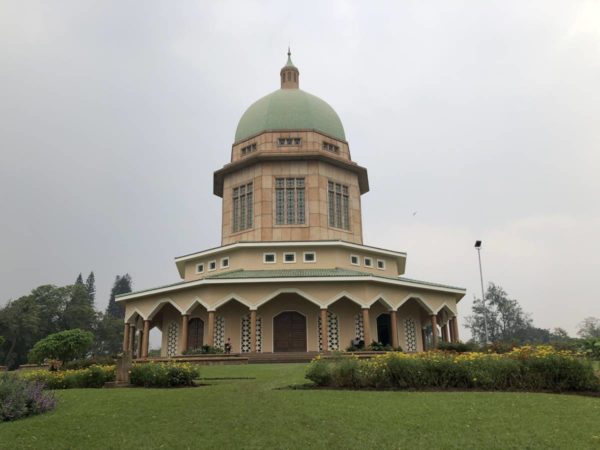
[458, 347]
[526, 368]
[64, 346]
[21, 398]
[91, 377]
[164, 374]
[204, 350]
[100, 360]
[590, 347]
[319, 372]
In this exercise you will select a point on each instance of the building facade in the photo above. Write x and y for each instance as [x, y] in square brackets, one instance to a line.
[292, 273]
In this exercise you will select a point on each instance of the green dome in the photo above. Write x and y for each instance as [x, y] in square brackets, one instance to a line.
[289, 109]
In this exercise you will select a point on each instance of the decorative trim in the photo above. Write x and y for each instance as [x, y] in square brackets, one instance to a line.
[340, 243]
[172, 339]
[410, 333]
[372, 278]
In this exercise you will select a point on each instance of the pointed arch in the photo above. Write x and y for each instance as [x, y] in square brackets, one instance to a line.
[344, 294]
[383, 299]
[227, 299]
[302, 294]
[445, 307]
[420, 300]
[158, 306]
[195, 302]
[133, 313]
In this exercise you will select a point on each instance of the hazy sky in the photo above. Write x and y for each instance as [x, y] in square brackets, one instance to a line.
[484, 117]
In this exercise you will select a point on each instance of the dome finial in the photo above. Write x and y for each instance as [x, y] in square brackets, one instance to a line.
[290, 75]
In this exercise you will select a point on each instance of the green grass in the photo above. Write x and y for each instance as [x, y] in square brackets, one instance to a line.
[256, 413]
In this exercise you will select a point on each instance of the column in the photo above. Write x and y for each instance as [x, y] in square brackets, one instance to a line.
[394, 324]
[145, 339]
[366, 327]
[131, 339]
[140, 342]
[125, 337]
[185, 323]
[445, 332]
[324, 329]
[434, 331]
[451, 329]
[455, 326]
[253, 346]
[424, 339]
[211, 329]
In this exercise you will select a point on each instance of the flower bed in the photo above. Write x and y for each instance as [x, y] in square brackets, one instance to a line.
[21, 398]
[171, 374]
[526, 368]
[91, 377]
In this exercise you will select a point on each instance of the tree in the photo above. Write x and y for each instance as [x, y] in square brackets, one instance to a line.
[589, 328]
[506, 320]
[122, 286]
[559, 335]
[2, 340]
[79, 279]
[64, 346]
[109, 336]
[79, 313]
[19, 324]
[90, 284]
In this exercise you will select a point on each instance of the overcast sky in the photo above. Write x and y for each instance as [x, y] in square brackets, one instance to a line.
[482, 117]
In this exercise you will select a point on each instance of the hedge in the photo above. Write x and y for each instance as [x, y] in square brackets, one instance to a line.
[526, 368]
[92, 377]
[169, 374]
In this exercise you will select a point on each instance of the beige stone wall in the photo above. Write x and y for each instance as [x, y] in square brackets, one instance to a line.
[316, 175]
[326, 257]
[312, 141]
[289, 302]
[346, 310]
[233, 301]
[321, 293]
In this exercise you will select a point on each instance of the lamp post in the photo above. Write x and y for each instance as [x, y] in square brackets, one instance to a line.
[485, 330]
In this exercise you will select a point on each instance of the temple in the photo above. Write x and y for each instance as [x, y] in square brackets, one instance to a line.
[292, 273]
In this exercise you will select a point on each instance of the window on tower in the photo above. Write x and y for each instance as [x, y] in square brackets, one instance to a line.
[338, 199]
[242, 207]
[289, 141]
[289, 201]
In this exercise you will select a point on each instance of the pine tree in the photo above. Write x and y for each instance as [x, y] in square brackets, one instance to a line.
[79, 280]
[122, 286]
[90, 284]
[78, 311]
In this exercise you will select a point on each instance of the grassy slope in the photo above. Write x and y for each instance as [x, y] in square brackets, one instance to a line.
[255, 414]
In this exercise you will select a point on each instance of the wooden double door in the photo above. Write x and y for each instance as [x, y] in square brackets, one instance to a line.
[289, 332]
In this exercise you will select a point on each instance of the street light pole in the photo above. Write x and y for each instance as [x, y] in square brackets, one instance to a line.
[485, 330]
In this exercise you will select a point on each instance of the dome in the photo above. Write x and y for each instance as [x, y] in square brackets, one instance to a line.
[289, 109]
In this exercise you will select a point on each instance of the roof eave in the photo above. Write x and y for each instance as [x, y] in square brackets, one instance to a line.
[219, 175]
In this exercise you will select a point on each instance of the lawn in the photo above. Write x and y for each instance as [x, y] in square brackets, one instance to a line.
[262, 413]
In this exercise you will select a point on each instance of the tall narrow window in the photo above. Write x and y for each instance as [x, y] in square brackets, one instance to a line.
[242, 207]
[339, 209]
[289, 201]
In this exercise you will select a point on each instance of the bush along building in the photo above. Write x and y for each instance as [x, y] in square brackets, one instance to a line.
[292, 273]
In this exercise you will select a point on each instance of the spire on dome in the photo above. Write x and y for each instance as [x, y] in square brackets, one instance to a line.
[290, 75]
[289, 61]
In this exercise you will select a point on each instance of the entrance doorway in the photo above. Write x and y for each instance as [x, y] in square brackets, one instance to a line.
[289, 332]
[195, 333]
[384, 328]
